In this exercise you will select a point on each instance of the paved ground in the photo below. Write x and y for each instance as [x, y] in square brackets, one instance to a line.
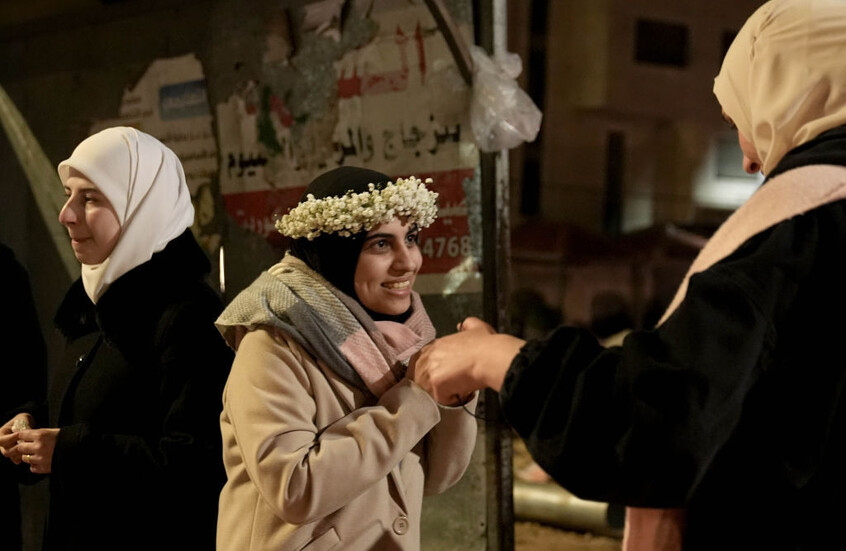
[531, 536]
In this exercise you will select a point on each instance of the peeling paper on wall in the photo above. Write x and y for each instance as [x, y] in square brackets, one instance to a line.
[170, 102]
[386, 95]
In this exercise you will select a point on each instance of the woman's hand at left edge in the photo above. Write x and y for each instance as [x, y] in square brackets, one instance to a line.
[36, 447]
[9, 436]
[459, 364]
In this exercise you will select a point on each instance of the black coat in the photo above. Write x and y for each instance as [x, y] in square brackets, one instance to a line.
[23, 380]
[735, 408]
[137, 397]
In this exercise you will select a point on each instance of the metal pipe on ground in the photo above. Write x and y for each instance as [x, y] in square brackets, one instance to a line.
[551, 504]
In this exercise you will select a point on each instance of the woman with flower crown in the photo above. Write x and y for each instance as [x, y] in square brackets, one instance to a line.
[328, 442]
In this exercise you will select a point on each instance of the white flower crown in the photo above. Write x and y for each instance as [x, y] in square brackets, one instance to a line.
[355, 212]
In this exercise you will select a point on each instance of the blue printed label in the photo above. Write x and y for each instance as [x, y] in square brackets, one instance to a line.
[183, 100]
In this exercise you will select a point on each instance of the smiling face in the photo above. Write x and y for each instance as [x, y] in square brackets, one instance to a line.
[387, 266]
[91, 220]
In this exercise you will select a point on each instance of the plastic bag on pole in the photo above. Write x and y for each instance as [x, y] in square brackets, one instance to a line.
[502, 116]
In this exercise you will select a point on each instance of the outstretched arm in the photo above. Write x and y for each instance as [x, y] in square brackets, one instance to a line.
[472, 359]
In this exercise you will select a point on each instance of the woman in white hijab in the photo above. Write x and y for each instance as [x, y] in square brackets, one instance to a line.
[133, 457]
[734, 409]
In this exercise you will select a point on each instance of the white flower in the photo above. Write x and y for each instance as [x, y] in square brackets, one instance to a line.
[354, 212]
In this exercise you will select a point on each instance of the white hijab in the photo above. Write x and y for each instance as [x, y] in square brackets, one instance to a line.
[783, 81]
[145, 184]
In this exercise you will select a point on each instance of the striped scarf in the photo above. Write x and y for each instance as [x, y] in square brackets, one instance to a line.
[330, 325]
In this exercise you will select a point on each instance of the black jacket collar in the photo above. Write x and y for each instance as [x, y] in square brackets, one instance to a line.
[136, 295]
[829, 148]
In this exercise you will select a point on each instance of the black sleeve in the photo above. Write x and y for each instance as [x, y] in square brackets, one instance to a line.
[175, 465]
[193, 363]
[24, 367]
[640, 424]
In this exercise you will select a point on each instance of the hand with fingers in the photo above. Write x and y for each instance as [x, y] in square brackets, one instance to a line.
[453, 367]
[36, 448]
[10, 434]
[471, 322]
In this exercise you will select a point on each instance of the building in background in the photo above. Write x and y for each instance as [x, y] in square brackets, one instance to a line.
[632, 139]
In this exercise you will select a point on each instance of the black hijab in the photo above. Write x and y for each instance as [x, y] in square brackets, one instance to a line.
[331, 255]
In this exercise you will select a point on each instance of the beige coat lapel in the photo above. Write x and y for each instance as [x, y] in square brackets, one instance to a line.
[348, 397]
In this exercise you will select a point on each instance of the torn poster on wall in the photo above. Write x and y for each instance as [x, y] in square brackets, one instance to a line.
[170, 102]
[380, 91]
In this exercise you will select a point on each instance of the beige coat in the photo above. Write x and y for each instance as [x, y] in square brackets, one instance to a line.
[314, 464]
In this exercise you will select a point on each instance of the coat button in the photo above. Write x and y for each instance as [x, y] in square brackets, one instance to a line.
[401, 524]
[80, 360]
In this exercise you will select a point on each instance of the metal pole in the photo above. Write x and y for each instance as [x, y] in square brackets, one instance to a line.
[551, 504]
[490, 28]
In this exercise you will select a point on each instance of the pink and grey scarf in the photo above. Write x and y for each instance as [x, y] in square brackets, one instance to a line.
[332, 326]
